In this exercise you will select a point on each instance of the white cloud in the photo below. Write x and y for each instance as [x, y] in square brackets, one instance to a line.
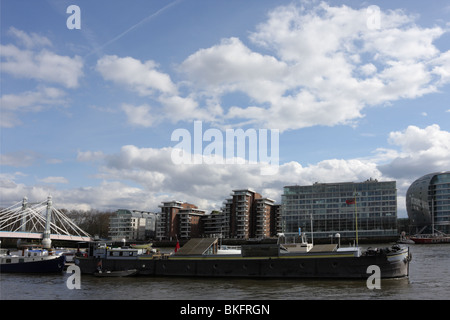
[29, 101]
[207, 185]
[29, 40]
[231, 66]
[13, 192]
[156, 178]
[90, 156]
[299, 81]
[307, 82]
[421, 151]
[44, 65]
[138, 115]
[109, 195]
[176, 108]
[143, 78]
[142, 178]
[441, 68]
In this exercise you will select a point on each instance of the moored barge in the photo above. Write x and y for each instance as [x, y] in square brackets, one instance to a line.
[31, 260]
[203, 258]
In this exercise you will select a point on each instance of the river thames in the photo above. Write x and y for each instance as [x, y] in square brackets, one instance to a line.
[429, 279]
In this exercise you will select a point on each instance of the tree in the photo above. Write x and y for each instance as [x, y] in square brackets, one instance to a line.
[94, 222]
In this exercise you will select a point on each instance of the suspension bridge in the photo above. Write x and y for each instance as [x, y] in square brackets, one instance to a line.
[41, 220]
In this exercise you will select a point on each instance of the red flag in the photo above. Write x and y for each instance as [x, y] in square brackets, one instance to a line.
[350, 201]
[177, 246]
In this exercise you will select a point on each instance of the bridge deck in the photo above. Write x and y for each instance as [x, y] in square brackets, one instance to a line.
[35, 235]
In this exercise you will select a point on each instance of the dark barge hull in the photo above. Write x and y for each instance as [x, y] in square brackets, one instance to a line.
[273, 267]
[54, 265]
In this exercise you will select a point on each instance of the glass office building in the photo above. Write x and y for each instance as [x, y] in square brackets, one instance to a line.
[428, 203]
[337, 207]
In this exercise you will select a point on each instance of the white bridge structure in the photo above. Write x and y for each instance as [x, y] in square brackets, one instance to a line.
[25, 220]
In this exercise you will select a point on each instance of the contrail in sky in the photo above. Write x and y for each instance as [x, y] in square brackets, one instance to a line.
[137, 25]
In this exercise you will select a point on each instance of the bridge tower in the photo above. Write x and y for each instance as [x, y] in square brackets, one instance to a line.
[24, 214]
[46, 241]
[23, 220]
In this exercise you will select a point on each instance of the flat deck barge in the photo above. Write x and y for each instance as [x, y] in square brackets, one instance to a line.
[203, 258]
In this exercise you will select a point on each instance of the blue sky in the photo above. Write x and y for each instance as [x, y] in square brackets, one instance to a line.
[356, 89]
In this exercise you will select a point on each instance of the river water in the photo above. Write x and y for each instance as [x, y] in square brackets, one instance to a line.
[429, 279]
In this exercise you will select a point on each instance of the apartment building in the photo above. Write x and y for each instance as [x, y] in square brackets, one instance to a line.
[179, 220]
[214, 224]
[132, 225]
[245, 215]
[248, 215]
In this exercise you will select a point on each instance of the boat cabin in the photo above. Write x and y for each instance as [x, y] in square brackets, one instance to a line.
[104, 251]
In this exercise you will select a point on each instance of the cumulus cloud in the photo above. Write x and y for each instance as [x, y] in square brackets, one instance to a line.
[45, 66]
[302, 82]
[143, 78]
[138, 115]
[290, 75]
[421, 151]
[231, 66]
[146, 80]
[209, 184]
[38, 63]
[108, 195]
[441, 68]
[142, 178]
[302, 66]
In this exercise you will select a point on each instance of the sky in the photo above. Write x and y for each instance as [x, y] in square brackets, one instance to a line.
[97, 99]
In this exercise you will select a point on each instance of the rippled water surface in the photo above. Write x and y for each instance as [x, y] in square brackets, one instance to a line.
[429, 279]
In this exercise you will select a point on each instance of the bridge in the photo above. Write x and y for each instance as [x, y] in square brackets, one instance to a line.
[41, 220]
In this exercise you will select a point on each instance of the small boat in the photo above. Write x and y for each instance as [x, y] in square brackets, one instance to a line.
[117, 273]
[31, 260]
[404, 239]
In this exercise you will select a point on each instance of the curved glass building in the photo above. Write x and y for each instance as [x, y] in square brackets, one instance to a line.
[428, 203]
